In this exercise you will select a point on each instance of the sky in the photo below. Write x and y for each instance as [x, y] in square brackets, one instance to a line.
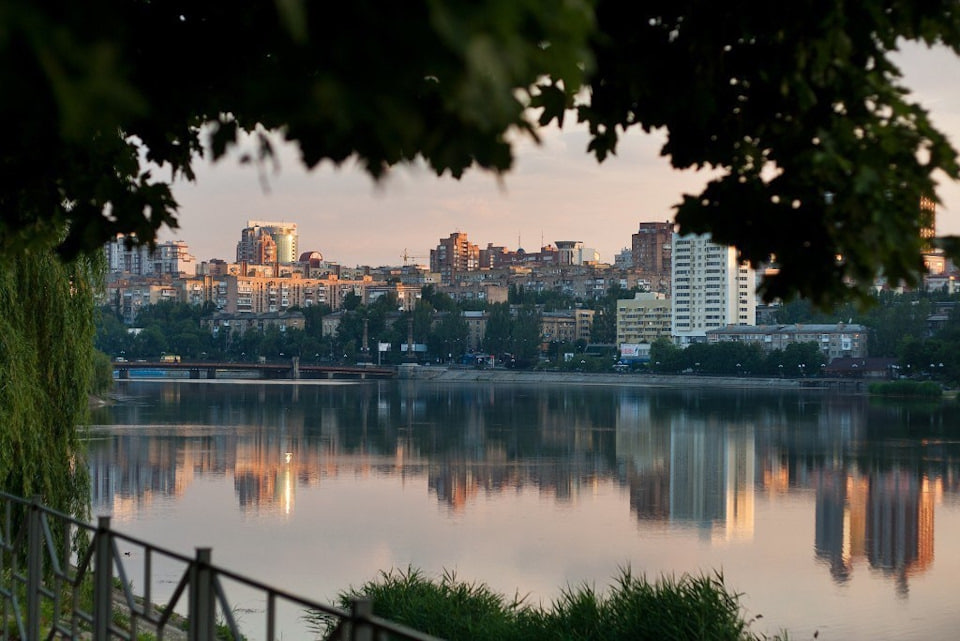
[556, 191]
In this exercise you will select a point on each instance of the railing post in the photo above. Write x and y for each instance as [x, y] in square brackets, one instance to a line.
[102, 580]
[202, 599]
[34, 568]
[360, 610]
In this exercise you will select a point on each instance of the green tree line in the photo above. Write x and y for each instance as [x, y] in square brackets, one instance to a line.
[736, 359]
[437, 322]
[898, 326]
[919, 329]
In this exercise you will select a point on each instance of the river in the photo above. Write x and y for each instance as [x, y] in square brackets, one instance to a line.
[834, 515]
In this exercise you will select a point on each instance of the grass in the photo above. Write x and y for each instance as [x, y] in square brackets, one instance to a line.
[907, 388]
[695, 608]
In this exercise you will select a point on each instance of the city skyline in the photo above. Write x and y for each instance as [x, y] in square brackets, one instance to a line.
[556, 191]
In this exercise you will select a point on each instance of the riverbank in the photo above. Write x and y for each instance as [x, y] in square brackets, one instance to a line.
[510, 376]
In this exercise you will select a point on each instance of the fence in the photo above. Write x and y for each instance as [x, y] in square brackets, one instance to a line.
[63, 578]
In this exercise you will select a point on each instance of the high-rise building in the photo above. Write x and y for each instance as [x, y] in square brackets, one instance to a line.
[256, 247]
[928, 219]
[171, 257]
[454, 255]
[132, 259]
[263, 243]
[651, 250]
[711, 289]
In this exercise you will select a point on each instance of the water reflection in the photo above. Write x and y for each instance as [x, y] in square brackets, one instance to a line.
[689, 460]
[884, 517]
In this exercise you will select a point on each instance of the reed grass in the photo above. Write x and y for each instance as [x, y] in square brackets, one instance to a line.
[907, 388]
[694, 608]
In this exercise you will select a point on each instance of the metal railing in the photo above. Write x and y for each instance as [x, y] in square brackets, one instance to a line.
[63, 578]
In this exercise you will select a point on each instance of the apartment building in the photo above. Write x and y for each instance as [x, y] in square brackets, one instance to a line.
[238, 324]
[405, 295]
[476, 329]
[478, 291]
[566, 326]
[572, 252]
[496, 256]
[643, 318]
[128, 297]
[171, 257]
[203, 289]
[454, 255]
[260, 294]
[711, 289]
[840, 340]
[651, 249]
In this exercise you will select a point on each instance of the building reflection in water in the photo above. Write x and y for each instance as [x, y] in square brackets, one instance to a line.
[688, 471]
[686, 461]
[884, 517]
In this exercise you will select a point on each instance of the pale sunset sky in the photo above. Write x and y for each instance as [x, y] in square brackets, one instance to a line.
[556, 191]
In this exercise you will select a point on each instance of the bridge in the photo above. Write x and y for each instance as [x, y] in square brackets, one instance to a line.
[292, 370]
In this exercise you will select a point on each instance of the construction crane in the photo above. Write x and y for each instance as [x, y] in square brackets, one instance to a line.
[407, 257]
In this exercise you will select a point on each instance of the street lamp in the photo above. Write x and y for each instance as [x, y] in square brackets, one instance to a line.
[738, 369]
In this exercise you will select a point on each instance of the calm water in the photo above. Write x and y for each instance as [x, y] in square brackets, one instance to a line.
[833, 514]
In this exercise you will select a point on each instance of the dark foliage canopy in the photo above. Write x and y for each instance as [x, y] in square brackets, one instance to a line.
[822, 157]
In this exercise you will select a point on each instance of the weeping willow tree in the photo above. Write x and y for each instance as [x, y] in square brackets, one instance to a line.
[46, 368]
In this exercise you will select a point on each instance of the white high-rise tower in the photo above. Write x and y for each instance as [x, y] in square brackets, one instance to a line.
[710, 288]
